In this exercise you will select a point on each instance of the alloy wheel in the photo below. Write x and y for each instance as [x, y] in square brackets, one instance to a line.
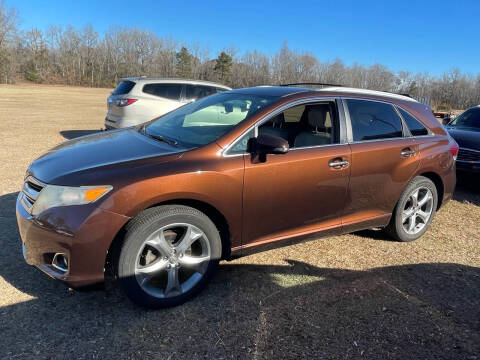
[172, 260]
[417, 211]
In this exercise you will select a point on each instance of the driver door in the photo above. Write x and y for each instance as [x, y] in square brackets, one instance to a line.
[302, 191]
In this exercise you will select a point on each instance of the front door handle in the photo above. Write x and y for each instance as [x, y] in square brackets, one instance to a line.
[338, 163]
[407, 152]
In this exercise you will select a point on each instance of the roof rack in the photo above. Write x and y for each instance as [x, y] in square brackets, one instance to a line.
[310, 83]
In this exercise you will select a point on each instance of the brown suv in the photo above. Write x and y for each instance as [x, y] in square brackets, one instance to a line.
[164, 202]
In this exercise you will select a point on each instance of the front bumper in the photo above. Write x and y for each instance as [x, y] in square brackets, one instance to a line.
[82, 233]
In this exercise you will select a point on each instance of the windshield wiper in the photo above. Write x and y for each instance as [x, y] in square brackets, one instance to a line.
[160, 137]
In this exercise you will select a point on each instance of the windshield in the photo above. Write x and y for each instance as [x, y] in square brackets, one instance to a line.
[470, 119]
[205, 120]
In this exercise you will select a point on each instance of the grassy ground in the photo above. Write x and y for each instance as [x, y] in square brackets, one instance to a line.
[352, 296]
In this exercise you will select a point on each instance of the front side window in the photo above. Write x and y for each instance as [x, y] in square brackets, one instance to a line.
[167, 91]
[470, 119]
[205, 120]
[240, 147]
[302, 126]
[416, 127]
[372, 120]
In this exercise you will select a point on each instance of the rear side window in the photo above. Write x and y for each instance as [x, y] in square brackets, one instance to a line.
[416, 128]
[220, 90]
[123, 88]
[167, 91]
[373, 120]
[195, 92]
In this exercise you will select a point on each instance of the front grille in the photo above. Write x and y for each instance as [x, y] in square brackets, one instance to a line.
[468, 155]
[31, 189]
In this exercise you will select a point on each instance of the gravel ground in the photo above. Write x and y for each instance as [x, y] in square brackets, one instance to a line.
[352, 296]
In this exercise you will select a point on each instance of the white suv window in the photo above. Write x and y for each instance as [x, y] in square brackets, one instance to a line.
[123, 88]
[167, 91]
[195, 92]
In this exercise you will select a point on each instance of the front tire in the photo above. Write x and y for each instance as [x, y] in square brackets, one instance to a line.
[168, 255]
[414, 211]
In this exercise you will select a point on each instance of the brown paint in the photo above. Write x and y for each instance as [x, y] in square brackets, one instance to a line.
[287, 197]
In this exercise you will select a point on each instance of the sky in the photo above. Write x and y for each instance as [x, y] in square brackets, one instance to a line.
[418, 36]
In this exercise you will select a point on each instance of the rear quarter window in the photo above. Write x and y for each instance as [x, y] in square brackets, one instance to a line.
[123, 88]
[195, 92]
[416, 127]
[167, 91]
[372, 120]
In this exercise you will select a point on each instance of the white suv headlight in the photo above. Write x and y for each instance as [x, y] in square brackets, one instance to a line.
[54, 196]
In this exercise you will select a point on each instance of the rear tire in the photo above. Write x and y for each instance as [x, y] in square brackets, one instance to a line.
[168, 255]
[414, 211]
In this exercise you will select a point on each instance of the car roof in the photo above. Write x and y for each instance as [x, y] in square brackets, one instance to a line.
[272, 90]
[149, 80]
[336, 90]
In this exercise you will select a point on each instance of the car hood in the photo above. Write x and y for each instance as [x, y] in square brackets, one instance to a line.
[466, 138]
[66, 163]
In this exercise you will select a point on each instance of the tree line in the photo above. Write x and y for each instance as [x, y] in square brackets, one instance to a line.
[85, 57]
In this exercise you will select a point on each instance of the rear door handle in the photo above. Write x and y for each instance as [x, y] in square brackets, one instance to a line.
[407, 152]
[337, 163]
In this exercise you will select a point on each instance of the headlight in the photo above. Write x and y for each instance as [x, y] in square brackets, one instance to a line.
[54, 196]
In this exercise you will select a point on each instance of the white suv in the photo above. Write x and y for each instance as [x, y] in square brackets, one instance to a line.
[141, 99]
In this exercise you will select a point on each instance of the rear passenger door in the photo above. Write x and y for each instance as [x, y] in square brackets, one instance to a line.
[384, 158]
[159, 98]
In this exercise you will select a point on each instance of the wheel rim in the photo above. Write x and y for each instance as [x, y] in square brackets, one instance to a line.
[172, 260]
[417, 211]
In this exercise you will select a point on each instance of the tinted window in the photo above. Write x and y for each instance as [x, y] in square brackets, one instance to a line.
[220, 90]
[168, 91]
[416, 128]
[470, 119]
[302, 126]
[373, 120]
[240, 146]
[123, 88]
[195, 92]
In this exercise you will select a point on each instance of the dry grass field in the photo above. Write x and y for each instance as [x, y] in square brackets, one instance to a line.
[351, 296]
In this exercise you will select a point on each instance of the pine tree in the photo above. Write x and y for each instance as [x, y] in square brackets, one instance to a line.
[223, 66]
[183, 65]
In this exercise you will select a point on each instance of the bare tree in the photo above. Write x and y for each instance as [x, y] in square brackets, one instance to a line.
[85, 57]
[8, 38]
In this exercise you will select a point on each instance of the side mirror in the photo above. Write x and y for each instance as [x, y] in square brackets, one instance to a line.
[264, 144]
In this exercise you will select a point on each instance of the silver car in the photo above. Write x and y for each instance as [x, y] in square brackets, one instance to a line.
[141, 99]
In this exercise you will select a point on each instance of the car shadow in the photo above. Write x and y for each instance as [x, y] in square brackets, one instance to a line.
[467, 189]
[293, 310]
[72, 134]
[375, 234]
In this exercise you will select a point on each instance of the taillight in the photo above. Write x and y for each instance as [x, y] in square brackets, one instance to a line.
[454, 149]
[124, 102]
